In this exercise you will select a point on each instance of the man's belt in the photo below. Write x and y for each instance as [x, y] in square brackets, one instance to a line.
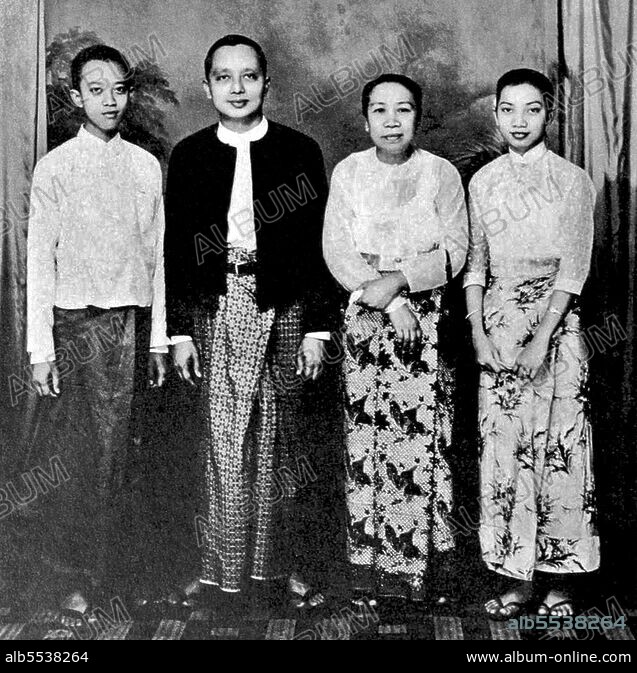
[240, 269]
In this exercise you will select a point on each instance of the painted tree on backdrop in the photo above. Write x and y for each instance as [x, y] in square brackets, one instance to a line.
[144, 123]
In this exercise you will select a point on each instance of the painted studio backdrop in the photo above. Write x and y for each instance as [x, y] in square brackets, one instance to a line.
[320, 53]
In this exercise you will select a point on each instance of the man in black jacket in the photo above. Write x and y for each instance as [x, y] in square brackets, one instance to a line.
[247, 308]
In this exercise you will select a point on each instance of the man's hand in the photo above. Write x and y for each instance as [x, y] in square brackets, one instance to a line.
[46, 379]
[157, 369]
[309, 358]
[186, 361]
[408, 332]
[378, 293]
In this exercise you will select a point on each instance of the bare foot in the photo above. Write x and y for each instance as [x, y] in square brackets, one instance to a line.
[508, 605]
[556, 604]
[363, 602]
[303, 594]
[185, 594]
[75, 602]
[74, 609]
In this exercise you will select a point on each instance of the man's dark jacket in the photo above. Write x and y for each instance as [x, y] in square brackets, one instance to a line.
[290, 193]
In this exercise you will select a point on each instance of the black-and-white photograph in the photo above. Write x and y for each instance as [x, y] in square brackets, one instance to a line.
[317, 322]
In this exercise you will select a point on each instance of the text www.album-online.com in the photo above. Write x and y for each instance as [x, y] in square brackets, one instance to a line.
[517, 657]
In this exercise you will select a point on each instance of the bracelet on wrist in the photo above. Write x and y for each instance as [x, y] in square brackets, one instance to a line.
[477, 310]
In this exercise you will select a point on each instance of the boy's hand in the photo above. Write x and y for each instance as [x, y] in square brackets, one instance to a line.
[157, 369]
[46, 379]
[185, 358]
[309, 358]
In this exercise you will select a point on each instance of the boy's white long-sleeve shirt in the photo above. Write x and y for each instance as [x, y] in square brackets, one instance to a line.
[96, 236]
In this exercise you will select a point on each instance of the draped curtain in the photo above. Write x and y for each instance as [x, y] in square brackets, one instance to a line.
[22, 142]
[598, 100]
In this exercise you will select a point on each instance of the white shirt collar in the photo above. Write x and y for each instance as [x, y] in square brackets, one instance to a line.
[115, 143]
[530, 157]
[235, 139]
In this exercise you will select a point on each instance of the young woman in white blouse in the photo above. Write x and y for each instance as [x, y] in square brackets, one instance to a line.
[395, 232]
[529, 256]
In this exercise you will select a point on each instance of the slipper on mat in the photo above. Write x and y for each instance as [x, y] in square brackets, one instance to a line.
[511, 610]
[187, 596]
[549, 611]
[74, 611]
[72, 619]
[364, 602]
[312, 599]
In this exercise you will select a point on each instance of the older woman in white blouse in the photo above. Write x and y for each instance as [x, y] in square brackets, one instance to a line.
[395, 232]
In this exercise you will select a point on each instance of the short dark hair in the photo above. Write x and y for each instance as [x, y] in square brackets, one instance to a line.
[98, 52]
[413, 87]
[527, 76]
[232, 41]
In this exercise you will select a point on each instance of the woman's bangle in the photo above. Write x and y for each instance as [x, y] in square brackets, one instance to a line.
[552, 309]
[477, 310]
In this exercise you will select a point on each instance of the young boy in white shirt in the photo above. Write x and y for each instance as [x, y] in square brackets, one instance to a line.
[95, 307]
